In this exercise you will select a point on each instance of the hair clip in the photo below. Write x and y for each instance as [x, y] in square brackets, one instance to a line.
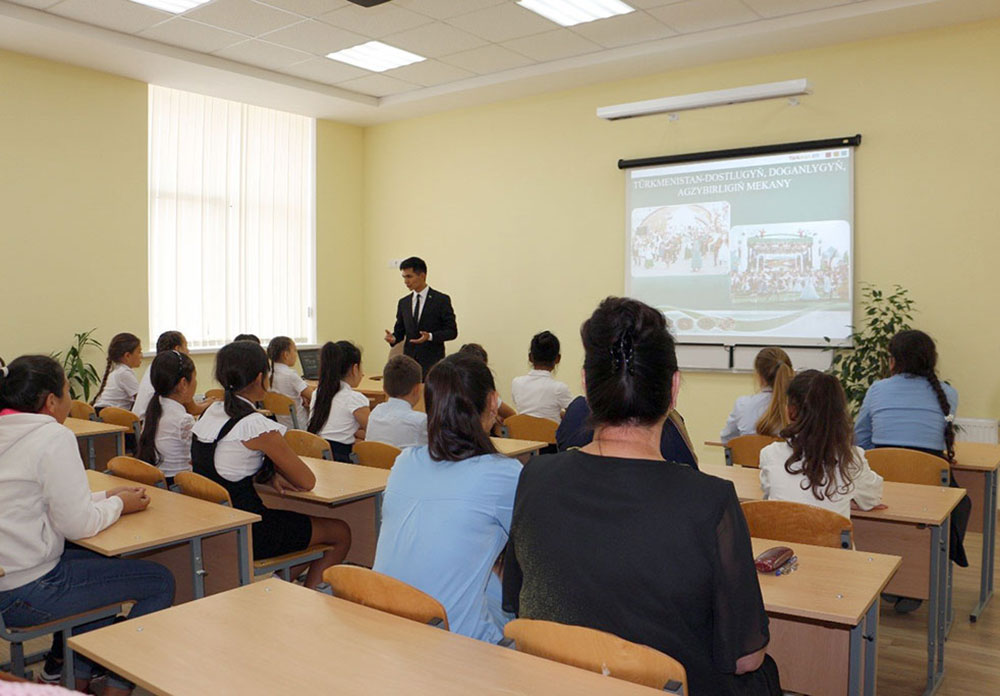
[4, 370]
[950, 418]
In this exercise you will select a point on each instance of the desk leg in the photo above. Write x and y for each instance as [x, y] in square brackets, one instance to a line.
[120, 444]
[854, 661]
[198, 568]
[950, 612]
[91, 453]
[378, 513]
[989, 543]
[933, 610]
[242, 555]
[871, 647]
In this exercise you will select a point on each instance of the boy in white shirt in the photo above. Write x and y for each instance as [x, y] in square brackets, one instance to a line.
[537, 393]
[395, 422]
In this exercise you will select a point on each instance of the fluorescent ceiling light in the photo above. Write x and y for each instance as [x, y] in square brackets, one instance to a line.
[375, 56]
[570, 12]
[699, 100]
[175, 6]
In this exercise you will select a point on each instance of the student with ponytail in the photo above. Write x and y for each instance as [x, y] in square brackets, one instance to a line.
[166, 431]
[763, 413]
[448, 505]
[235, 446]
[167, 341]
[283, 354]
[337, 412]
[817, 464]
[119, 385]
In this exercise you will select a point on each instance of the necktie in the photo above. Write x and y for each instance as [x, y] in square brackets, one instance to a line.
[416, 311]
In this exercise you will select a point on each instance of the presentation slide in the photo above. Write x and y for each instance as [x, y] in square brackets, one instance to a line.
[754, 250]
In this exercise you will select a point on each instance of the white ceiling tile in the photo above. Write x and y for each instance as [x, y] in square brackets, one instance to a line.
[315, 37]
[374, 22]
[433, 40]
[777, 8]
[701, 15]
[378, 85]
[245, 16]
[118, 15]
[428, 73]
[502, 22]
[38, 4]
[443, 9]
[552, 45]
[264, 55]
[307, 8]
[325, 70]
[624, 30]
[488, 59]
[192, 35]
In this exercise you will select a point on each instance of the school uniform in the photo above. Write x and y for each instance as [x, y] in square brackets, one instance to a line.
[144, 395]
[341, 424]
[285, 380]
[396, 423]
[539, 394]
[120, 389]
[218, 452]
[864, 488]
[746, 412]
[173, 438]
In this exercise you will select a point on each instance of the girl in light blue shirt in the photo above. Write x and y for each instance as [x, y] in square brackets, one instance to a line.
[447, 508]
[763, 413]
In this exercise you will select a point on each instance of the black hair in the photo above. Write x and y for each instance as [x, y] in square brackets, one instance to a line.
[236, 367]
[166, 372]
[476, 351]
[456, 394]
[914, 353]
[169, 340]
[544, 349]
[335, 361]
[247, 337]
[414, 263]
[277, 347]
[120, 345]
[400, 375]
[26, 383]
[629, 363]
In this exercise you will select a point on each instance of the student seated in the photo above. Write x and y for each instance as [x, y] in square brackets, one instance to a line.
[44, 500]
[762, 413]
[816, 463]
[235, 446]
[166, 432]
[504, 411]
[614, 538]
[395, 422]
[119, 385]
[537, 393]
[168, 340]
[338, 413]
[447, 506]
[285, 380]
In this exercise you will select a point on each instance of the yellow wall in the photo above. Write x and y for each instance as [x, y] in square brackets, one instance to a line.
[519, 208]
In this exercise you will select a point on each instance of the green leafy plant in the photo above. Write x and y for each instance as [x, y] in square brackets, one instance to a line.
[867, 360]
[82, 375]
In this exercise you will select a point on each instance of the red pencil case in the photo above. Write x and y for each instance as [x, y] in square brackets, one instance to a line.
[773, 558]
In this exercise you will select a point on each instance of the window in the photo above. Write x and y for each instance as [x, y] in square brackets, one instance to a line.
[231, 220]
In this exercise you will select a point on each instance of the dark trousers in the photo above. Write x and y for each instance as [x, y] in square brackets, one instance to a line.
[341, 452]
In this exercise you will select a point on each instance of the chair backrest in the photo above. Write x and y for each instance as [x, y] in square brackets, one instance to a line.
[522, 427]
[745, 449]
[306, 444]
[598, 651]
[219, 394]
[119, 416]
[385, 593]
[798, 523]
[281, 405]
[82, 410]
[136, 470]
[376, 454]
[197, 486]
[908, 466]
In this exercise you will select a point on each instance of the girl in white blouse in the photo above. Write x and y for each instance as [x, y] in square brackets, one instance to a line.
[285, 380]
[120, 385]
[166, 433]
[339, 414]
[816, 464]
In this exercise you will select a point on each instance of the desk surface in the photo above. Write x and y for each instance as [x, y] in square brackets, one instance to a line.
[976, 456]
[373, 652]
[86, 428]
[170, 517]
[908, 502]
[511, 447]
[337, 482]
[833, 585]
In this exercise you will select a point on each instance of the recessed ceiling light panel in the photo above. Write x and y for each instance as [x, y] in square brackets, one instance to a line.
[571, 12]
[375, 56]
[175, 6]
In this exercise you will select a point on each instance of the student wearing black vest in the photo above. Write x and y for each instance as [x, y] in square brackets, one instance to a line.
[424, 317]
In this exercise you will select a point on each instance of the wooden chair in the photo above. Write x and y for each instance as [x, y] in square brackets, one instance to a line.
[219, 394]
[306, 444]
[82, 410]
[597, 651]
[798, 523]
[522, 427]
[385, 593]
[136, 470]
[198, 486]
[119, 416]
[374, 454]
[909, 466]
[745, 449]
[281, 405]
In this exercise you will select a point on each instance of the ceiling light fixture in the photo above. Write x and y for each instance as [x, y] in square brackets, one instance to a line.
[375, 56]
[175, 6]
[571, 12]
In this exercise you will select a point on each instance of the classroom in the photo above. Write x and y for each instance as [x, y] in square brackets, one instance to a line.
[491, 164]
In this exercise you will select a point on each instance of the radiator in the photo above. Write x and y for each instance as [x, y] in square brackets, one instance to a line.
[976, 430]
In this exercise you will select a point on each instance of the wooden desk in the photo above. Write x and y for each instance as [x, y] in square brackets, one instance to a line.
[510, 447]
[88, 431]
[824, 618]
[975, 469]
[271, 636]
[172, 522]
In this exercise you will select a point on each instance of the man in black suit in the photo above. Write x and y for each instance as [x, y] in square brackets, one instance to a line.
[424, 317]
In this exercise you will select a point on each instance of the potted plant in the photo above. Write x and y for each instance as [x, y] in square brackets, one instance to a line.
[82, 375]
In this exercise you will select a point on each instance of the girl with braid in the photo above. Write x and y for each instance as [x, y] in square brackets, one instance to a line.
[119, 384]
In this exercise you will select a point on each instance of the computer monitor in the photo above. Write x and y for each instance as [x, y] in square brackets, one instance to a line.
[309, 359]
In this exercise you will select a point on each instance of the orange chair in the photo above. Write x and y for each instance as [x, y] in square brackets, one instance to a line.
[745, 449]
[82, 410]
[138, 471]
[798, 523]
[522, 427]
[374, 454]
[385, 593]
[306, 444]
[909, 466]
[281, 405]
[127, 419]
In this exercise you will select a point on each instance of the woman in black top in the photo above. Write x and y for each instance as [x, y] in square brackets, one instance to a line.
[613, 537]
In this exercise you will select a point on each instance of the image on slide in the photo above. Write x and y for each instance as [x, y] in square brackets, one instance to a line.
[680, 240]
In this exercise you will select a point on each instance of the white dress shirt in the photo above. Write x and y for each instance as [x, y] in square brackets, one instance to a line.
[746, 412]
[395, 423]
[538, 394]
[173, 438]
[423, 303]
[341, 424]
[287, 381]
[233, 460]
[144, 395]
[120, 389]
